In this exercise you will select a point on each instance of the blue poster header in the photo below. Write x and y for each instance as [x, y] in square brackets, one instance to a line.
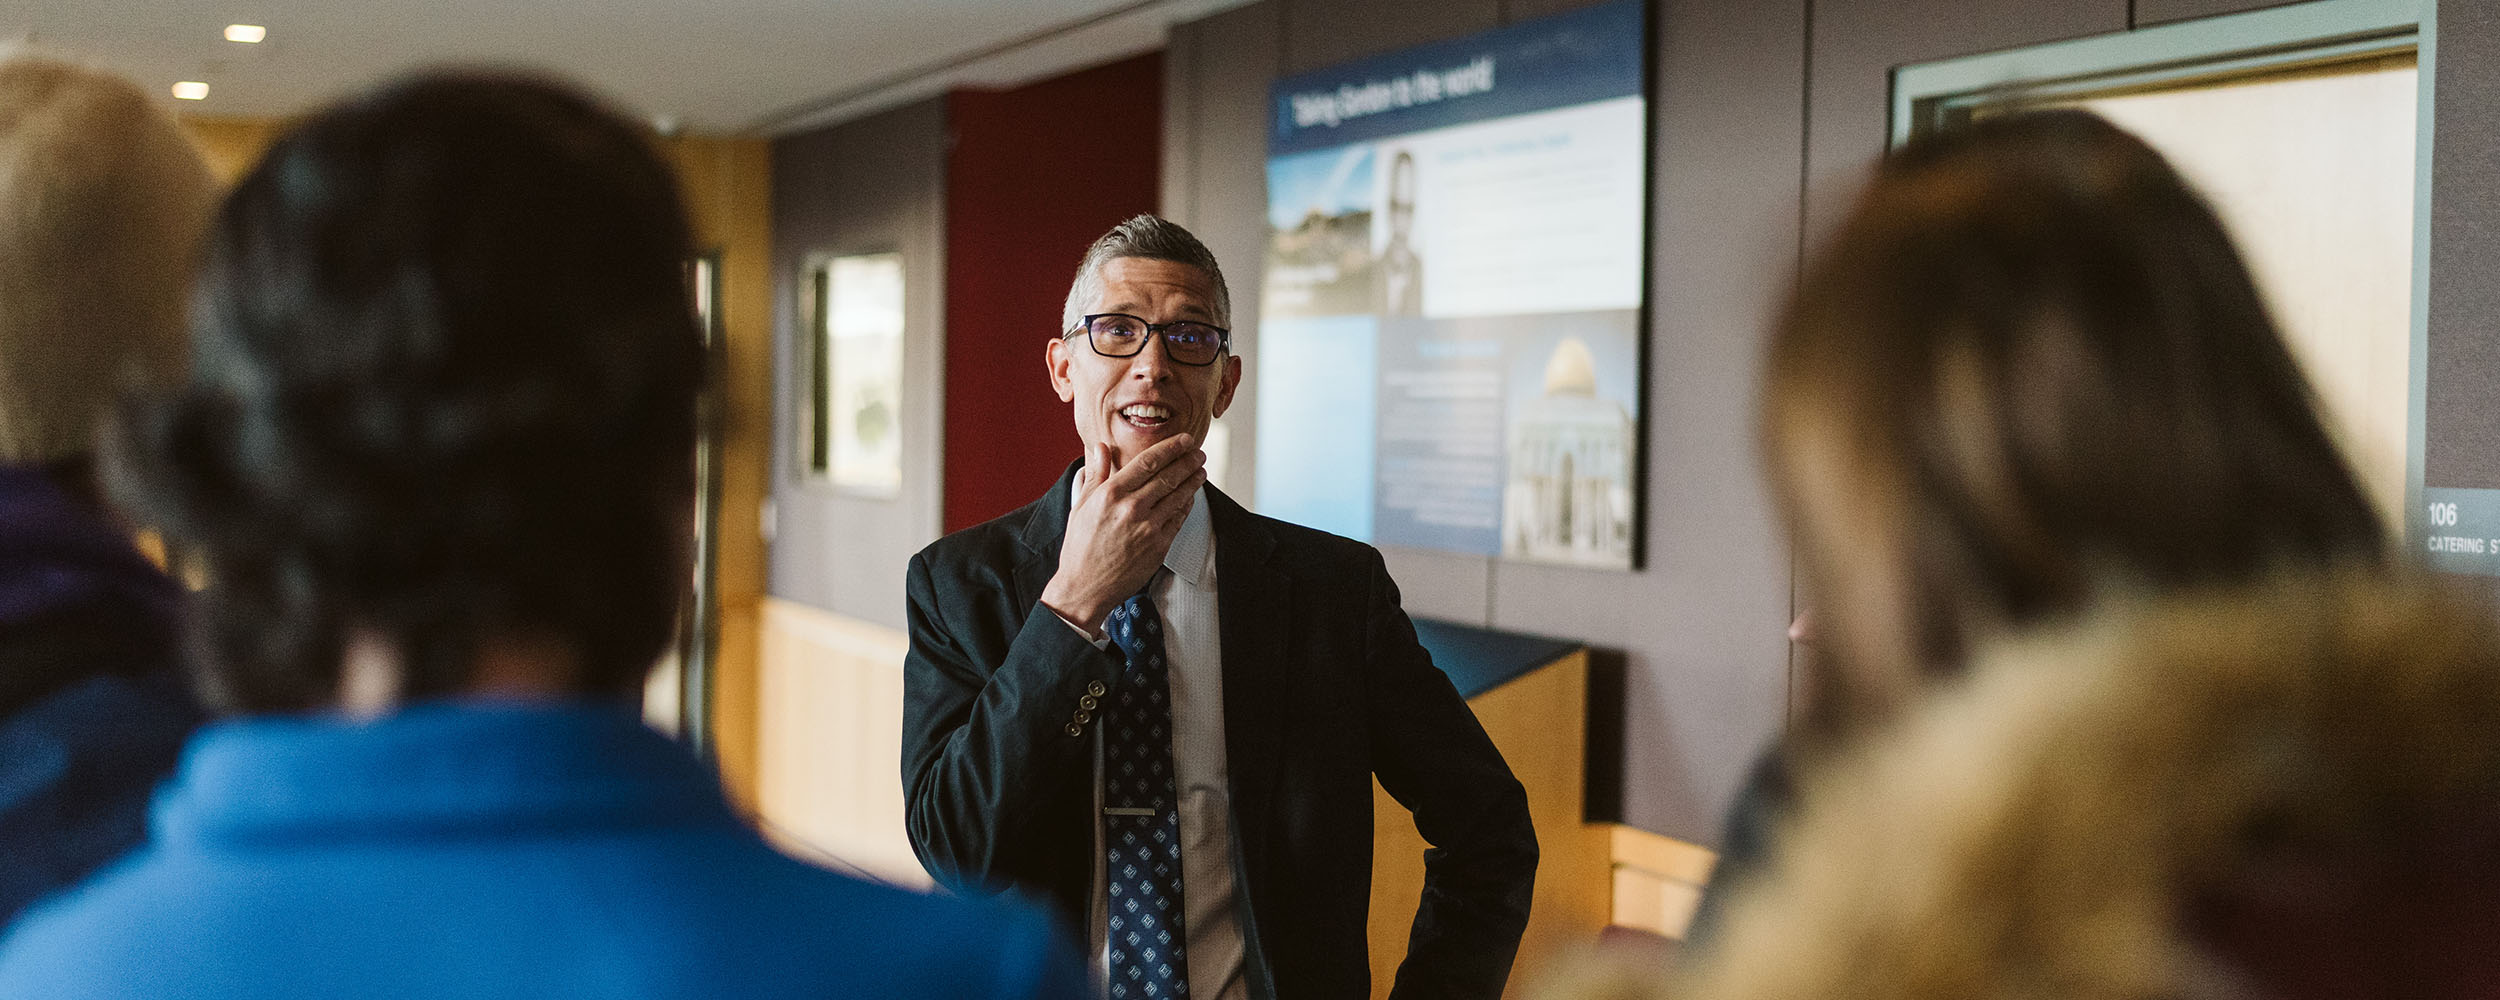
[1555, 62]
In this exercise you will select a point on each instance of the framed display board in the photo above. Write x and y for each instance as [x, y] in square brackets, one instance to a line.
[1451, 323]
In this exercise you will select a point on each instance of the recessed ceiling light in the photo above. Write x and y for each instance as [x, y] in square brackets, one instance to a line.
[246, 33]
[191, 90]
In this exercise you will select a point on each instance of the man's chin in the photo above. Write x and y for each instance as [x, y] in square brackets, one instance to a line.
[1127, 440]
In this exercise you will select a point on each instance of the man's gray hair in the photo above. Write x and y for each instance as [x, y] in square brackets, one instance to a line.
[1152, 238]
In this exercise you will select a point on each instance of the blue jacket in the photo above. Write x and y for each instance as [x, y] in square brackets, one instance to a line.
[494, 850]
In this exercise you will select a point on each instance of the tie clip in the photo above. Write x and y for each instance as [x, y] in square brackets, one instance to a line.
[1129, 811]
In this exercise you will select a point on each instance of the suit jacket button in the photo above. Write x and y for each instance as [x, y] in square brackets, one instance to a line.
[1083, 717]
[1075, 730]
[1096, 689]
[1087, 703]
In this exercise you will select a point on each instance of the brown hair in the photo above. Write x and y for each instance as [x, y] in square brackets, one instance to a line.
[2028, 366]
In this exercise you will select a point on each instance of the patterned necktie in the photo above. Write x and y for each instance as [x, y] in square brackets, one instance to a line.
[1141, 821]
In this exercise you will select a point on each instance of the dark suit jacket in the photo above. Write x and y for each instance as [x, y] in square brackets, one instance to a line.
[1324, 687]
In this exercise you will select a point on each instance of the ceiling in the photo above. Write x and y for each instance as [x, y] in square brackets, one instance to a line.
[712, 66]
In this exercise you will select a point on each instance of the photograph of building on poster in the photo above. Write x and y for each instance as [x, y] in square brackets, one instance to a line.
[1450, 337]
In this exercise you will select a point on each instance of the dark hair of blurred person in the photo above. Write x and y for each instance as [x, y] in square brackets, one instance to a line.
[2288, 789]
[436, 460]
[2029, 369]
[102, 200]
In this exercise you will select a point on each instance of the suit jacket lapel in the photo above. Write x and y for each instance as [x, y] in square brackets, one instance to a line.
[1042, 533]
[1253, 602]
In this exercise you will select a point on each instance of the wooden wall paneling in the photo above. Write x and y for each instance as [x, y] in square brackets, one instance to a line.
[231, 145]
[727, 184]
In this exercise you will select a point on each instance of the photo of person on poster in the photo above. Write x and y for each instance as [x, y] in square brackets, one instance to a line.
[1401, 273]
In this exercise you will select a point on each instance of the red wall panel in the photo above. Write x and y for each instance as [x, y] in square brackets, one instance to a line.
[1034, 175]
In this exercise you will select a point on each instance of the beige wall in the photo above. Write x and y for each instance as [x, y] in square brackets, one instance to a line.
[830, 738]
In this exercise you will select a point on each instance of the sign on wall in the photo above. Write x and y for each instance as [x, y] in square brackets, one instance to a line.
[1450, 334]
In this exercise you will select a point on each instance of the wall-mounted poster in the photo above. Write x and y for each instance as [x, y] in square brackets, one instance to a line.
[1450, 331]
[859, 374]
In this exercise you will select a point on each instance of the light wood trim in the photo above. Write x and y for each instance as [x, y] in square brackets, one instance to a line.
[1649, 903]
[727, 185]
[1661, 855]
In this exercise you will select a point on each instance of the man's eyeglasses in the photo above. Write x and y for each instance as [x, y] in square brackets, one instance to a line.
[1120, 335]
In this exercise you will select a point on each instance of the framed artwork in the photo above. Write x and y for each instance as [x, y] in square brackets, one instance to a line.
[853, 428]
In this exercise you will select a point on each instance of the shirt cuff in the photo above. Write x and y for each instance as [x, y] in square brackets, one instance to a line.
[1103, 643]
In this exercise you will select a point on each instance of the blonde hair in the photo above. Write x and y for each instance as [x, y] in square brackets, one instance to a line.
[102, 205]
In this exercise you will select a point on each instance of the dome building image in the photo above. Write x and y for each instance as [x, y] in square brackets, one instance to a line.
[1569, 497]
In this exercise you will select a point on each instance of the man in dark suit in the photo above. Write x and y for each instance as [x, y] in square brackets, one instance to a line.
[1164, 712]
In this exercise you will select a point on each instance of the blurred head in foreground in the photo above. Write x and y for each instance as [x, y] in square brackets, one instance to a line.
[439, 435]
[102, 200]
[2287, 791]
[2029, 368]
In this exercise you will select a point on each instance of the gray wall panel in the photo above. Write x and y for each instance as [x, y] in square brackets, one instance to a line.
[872, 185]
[2152, 12]
[1443, 585]
[1182, 60]
[1227, 146]
[1856, 45]
[1704, 624]
[1326, 32]
[2465, 237]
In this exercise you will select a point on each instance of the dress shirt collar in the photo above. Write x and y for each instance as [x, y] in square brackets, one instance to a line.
[1192, 555]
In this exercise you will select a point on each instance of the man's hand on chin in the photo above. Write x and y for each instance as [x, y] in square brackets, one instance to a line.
[1121, 526]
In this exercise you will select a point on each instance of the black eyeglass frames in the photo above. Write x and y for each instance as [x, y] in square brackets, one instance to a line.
[1120, 335]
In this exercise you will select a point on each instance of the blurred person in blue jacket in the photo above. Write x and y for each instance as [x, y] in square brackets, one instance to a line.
[436, 459]
[102, 201]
